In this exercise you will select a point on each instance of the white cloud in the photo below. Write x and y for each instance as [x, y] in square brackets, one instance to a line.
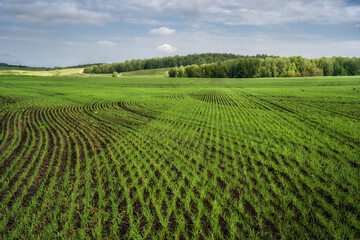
[322, 12]
[200, 22]
[53, 13]
[145, 21]
[166, 48]
[106, 43]
[231, 12]
[162, 31]
[256, 12]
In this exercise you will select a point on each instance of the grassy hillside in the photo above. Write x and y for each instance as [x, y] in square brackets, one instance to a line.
[146, 73]
[160, 158]
[35, 72]
[78, 72]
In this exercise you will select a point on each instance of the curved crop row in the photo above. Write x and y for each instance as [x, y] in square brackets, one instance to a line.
[221, 163]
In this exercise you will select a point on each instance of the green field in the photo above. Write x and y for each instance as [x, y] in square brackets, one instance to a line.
[161, 158]
[34, 72]
[160, 72]
[78, 72]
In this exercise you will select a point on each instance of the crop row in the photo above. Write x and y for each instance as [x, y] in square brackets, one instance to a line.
[217, 163]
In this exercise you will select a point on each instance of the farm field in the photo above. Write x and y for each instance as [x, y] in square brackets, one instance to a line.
[162, 158]
[41, 73]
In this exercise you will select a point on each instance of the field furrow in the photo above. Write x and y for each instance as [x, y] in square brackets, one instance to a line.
[201, 159]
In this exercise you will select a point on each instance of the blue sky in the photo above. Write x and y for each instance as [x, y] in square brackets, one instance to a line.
[63, 33]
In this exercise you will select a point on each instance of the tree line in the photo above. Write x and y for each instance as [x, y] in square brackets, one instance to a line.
[251, 67]
[77, 66]
[10, 66]
[165, 62]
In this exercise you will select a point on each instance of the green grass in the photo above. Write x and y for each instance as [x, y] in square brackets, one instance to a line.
[159, 158]
[146, 73]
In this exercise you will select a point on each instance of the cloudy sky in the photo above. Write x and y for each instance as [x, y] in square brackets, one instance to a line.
[63, 33]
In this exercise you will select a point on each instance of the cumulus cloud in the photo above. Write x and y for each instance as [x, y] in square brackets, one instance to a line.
[167, 48]
[145, 21]
[106, 43]
[258, 12]
[53, 13]
[162, 31]
[231, 12]
[321, 12]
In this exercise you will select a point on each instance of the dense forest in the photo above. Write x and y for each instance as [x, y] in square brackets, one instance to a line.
[166, 62]
[271, 67]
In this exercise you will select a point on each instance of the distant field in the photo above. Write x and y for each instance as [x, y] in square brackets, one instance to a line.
[160, 158]
[147, 73]
[42, 73]
[78, 72]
